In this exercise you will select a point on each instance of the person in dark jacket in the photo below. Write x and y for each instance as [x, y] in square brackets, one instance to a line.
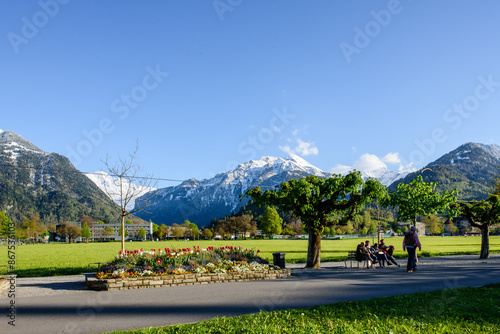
[410, 244]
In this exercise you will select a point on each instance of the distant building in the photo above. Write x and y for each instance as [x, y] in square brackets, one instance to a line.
[111, 232]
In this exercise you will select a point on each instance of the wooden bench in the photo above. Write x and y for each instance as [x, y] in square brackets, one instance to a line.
[351, 257]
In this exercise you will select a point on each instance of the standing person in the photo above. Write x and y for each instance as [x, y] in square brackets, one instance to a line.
[410, 243]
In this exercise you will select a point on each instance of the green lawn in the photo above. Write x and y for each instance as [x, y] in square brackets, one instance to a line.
[60, 259]
[463, 310]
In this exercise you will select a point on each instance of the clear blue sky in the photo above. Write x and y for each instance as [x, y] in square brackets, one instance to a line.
[205, 85]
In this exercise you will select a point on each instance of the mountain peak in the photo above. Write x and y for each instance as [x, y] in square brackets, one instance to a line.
[15, 141]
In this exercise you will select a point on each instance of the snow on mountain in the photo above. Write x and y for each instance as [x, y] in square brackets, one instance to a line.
[12, 145]
[385, 176]
[111, 187]
[200, 201]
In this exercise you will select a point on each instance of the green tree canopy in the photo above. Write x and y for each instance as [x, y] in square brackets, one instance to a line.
[86, 231]
[419, 198]
[142, 233]
[316, 201]
[271, 222]
[4, 225]
[483, 215]
[207, 233]
[433, 224]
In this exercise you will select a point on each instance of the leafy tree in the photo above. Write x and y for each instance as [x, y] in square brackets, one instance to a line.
[419, 198]
[271, 222]
[483, 215]
[373, 227]
[5, 224]
[192, 229]
[109, 231]
[32, 228]
[86, 232]
[347, 229]
[142, 233]
[177, 231]
[207, 233]
[68, 230]
[155, 229]
[316, 200]
[120, 231]
[433, 224]
[74, 232]
[164, 230]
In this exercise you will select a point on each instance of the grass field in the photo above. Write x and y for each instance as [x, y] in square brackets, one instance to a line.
[61, 259]
[463, 310]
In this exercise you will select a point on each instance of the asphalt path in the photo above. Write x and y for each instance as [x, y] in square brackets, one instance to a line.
[64, 305]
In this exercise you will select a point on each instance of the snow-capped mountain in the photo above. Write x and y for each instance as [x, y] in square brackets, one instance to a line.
[34, 181]
[201, 201]
[469, 169]
[385, 176]
[111, 187]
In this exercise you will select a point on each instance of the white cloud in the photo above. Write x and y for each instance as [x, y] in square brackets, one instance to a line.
[340, 169]
[286, 149]
[369, 162]
[303, 148]
[391, 158]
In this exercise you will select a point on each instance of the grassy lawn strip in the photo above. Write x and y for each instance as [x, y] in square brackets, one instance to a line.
[65, 259]
[463, 310]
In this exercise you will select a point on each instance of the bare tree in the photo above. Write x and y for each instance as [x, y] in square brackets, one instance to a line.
[128, 184]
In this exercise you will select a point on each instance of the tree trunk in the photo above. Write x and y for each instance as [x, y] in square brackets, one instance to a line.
[314, 250]
[123, 234]
[485, 242]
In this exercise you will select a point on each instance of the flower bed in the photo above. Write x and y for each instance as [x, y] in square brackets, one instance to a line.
[165, 267]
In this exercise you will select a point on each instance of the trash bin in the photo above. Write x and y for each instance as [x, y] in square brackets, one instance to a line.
[279, 260]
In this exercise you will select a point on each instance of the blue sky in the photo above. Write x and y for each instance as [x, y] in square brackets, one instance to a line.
[205, 85]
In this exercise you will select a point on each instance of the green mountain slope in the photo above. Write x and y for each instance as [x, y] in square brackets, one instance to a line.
[33, 181]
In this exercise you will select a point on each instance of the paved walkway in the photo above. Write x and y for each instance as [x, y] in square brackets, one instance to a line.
[64, 305]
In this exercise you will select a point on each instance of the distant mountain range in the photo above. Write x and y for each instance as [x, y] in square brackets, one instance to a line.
[34, 181]
[470, 169]
[111, 186]
[201, 201]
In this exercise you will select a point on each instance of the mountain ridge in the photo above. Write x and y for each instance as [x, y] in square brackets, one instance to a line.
[35, 181]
